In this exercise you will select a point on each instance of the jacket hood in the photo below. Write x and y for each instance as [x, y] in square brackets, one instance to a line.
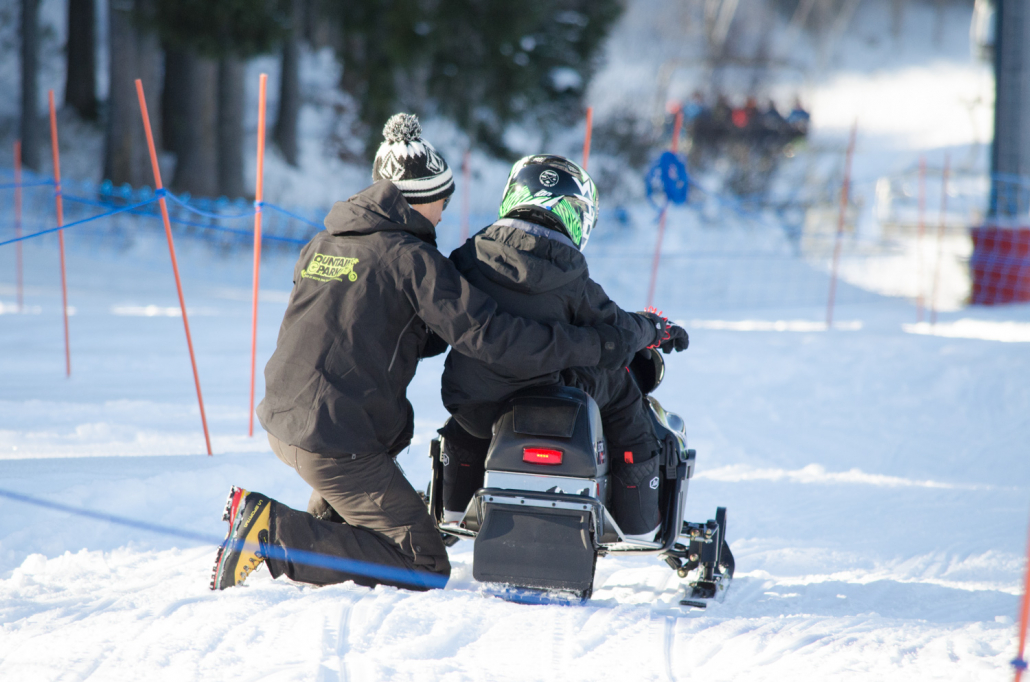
[525, 262]
[379, 208]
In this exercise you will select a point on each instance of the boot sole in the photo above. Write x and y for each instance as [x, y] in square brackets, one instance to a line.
[232, 507]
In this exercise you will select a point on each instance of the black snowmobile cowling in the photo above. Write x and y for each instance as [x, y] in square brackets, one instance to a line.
[541, 519]
[543, 537]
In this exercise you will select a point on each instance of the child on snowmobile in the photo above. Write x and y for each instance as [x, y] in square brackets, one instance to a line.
[530, 262]
[372, 295]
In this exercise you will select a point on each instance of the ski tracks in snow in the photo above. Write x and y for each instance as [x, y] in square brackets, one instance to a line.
[336, 644]
[93, 615]
[668, 641]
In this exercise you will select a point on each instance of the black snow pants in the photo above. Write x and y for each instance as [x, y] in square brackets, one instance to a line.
[361, 507]
[632, 446]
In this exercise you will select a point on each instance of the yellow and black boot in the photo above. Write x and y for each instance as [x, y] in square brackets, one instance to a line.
[243, 550]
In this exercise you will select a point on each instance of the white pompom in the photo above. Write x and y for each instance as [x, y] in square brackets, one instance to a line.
[402, 128]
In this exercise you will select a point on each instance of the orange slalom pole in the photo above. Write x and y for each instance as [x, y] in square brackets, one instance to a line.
[171, 252]
[840, 224]
[940, 240]
[677, 126]
[1024, 610]
[586, 140]
[18, 276]
[466, 194]
[258, 195]
[919, 239]
[60, 234]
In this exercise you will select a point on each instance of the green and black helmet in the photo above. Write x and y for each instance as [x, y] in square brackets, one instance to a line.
[552, 191]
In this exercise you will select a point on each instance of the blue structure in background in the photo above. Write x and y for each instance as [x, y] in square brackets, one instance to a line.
[668, 176]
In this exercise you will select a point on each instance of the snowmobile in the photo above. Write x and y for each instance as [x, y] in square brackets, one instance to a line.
[542, 517]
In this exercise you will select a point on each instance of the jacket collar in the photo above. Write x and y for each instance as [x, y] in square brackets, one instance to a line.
[536, 230]
[378, 208]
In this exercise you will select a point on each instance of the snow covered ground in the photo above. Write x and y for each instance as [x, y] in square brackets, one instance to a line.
[875, 475]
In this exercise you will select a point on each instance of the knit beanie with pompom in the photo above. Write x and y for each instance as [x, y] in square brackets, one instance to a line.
[411, 163]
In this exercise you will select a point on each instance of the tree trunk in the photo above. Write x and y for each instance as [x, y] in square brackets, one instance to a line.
[174, 114]
[230, 126]
[285, 134]
[938, 24]
[118, 156]
[897, 18]
[132, 55]
[149, 63]
[30, 128]
[80, 85]
[196, 171]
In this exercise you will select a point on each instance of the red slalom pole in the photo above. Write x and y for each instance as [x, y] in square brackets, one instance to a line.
[18, 276]
[586, 140]
[60, 234]
[676, 127]
[171, 252]
[940, 240]
[840, 224]
[919, 239]
[657, 257]
[466, 194]
[258, 194]
[1024, 610]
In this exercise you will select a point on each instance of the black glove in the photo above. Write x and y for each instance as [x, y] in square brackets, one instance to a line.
[616, 350]
[669, 336]
[676, 339]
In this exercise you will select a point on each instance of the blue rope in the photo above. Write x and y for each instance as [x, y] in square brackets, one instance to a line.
[78, 222]
[245, 233]
[98, 204]
[258, 205]
[296, 556]
[189, 223]
[15, 185]
[1019, 664]
[208, 214]
[292, 215]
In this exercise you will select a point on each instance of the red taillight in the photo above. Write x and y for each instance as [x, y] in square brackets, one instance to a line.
[541, 456]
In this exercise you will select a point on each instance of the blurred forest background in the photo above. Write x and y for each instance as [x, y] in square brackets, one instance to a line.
[485, 66]
[480, 63]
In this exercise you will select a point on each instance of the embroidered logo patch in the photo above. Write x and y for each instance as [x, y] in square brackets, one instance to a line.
[325, 268]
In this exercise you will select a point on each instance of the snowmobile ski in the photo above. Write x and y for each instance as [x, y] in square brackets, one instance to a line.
[523, 595]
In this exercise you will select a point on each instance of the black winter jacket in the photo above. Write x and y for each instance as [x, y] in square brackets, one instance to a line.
[531, 276]
[367, 293]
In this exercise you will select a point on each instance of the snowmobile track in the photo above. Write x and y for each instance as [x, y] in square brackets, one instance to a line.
[340, 648]
[668, 640]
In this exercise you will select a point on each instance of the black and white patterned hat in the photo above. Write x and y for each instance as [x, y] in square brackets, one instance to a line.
[411, 163]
